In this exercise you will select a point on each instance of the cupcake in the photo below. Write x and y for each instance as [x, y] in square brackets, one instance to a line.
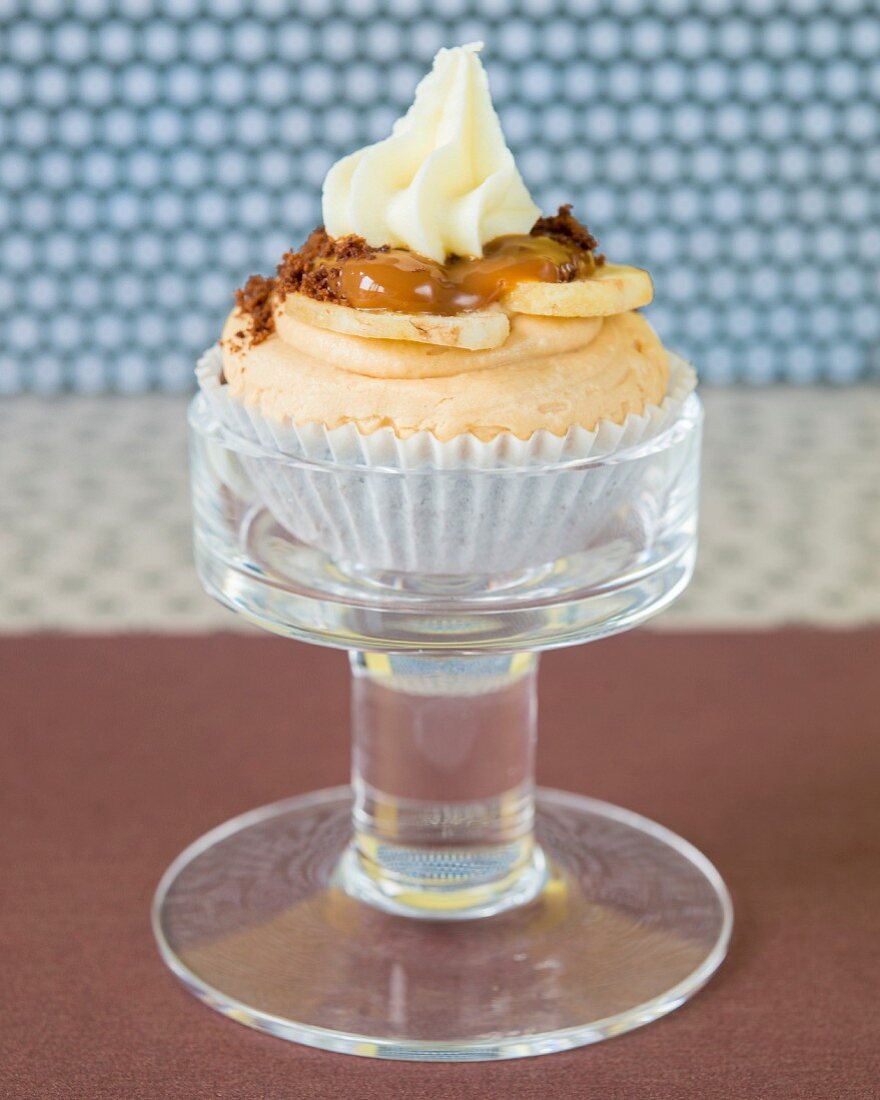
[438, 330]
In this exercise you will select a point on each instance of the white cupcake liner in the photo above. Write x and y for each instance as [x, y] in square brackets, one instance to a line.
[461, 520]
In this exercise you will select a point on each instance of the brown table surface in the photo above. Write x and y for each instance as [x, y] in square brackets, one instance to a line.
[762, 749]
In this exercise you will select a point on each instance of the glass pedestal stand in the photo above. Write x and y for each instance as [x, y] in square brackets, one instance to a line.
[440, 908]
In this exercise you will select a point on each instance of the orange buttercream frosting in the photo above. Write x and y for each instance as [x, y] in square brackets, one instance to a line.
[550, 374]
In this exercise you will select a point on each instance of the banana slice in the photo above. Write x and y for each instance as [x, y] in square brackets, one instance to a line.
[477, 331]
[611, 289]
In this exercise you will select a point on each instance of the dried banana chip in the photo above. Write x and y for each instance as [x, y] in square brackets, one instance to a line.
[611, 289]
[485, 328]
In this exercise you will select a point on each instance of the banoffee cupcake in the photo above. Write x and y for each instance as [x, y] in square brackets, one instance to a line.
[438, 322]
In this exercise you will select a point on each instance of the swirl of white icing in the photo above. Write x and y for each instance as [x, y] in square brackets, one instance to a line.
[444, 182]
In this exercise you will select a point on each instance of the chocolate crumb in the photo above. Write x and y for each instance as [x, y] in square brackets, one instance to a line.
[565, 228]
[314, 269]
[257, 299]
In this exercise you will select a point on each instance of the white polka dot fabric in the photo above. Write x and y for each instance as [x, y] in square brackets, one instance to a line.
[153, 153]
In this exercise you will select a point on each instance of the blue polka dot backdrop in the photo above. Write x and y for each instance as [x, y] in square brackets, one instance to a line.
[154, 153]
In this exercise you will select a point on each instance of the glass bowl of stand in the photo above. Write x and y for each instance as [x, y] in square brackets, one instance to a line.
[440, 907]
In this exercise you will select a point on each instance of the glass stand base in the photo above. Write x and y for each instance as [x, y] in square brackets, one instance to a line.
[632, 921]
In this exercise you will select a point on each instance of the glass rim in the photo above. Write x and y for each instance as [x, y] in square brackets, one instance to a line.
[205, 424]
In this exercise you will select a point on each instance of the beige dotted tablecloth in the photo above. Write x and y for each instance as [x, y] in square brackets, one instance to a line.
[94, 514]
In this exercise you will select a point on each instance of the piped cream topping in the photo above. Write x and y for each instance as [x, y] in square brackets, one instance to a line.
[444, 183]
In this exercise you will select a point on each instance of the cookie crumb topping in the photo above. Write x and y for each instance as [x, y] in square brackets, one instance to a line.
[313, 270]
[257, 299]
[564, 227]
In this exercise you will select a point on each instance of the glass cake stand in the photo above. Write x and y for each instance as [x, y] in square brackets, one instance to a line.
[439, 907]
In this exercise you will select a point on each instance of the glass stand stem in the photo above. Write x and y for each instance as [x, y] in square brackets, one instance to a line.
[443, 781]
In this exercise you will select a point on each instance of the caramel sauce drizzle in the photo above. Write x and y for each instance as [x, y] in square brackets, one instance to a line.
[404, 282]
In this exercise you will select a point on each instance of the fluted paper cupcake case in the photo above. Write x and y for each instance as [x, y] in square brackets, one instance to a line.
[462, 520]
